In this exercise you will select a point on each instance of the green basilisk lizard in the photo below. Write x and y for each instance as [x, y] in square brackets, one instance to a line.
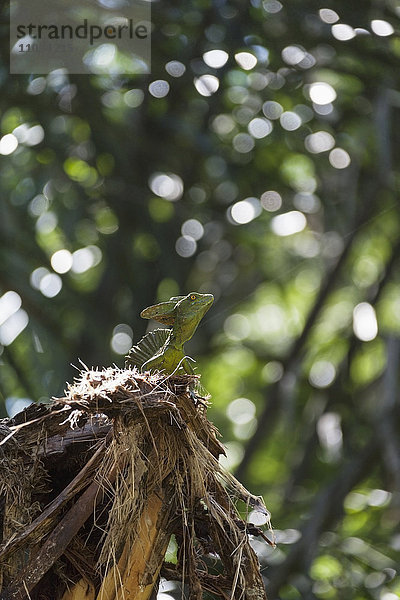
[162, 349]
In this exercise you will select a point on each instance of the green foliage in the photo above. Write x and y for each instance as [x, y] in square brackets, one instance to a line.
[276, 192]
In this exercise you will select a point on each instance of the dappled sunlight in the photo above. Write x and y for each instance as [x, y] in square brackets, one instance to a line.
[166, 185]
[206, 85]
[122, 339]
[258, 161]
[159, 88]
[215, 58]
[382, 28]
[320, 141]
[290, 120]
[339, 158]
[327, 15]
[175, 68]
[259, 128]
[185, 246]
[13, 319]
[245, 211]
[364, 322]
[133, 98]
[322, 374]
[85, 258]
[62, 261]
[322, 93]
[193, 228]
[246, 60]
[288, 223]
[343, 32]
[271, 201]
[50, 285]
[8, 144]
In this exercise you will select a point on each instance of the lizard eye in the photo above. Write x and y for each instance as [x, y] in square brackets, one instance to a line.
[192, 296]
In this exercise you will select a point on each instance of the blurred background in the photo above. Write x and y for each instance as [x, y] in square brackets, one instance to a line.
[259, 161]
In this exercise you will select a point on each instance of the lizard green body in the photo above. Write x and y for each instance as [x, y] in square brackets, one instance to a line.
[163, 349]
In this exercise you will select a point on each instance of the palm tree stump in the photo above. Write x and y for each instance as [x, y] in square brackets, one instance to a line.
[94, 485]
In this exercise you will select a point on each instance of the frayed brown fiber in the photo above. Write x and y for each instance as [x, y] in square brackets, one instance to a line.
[106, 475]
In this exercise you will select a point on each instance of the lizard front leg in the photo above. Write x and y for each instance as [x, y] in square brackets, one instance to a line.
[187, 365]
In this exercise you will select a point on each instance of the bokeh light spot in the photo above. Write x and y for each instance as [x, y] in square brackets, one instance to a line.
[10, 302]
[15, 405]
[246, 60]
[223, 124]
[36, 86]
[236, 327]
[339, 158]
[379, 497]
[241, 411]
[320, 141]
[293, 55]
[288, 223]
[193, 228]
[159, 88]
[272, 6]
[206, 85]
[257, 518]
[34, 135]
[50, 285]
[322, 374]
[323, 109]
[121, 343]
[133, 98]
[272, 110]
[365, 325]
[61, 261]
[38, 205]
[233, 455]
[271, 200]
[245, 211]
[322, 93]
[330, 433]
[121, 340]
[37, 275]
[215, 58]
[327, 15]
[243, 143]
[166, 185]
[259, 128]
[308, 203]
[185, 246]
[175, 68]
[47, 222]
[272, 372]
[8, 143]
[85, 258]
[13, 326]
[343, 32]
[290, 121]
[382, 28]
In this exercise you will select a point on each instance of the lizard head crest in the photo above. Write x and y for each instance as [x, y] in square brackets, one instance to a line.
[181, 308]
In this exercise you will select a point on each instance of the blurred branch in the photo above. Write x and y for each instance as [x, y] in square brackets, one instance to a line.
[337, 390]
[385, 423]
[271, 410]
[327, 508]
[383, 107]
[268, 416]
[23, 380]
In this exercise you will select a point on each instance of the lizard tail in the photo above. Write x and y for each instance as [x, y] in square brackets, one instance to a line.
[147, 347]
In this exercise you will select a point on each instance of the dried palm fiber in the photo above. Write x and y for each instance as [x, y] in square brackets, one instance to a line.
[115, 467]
